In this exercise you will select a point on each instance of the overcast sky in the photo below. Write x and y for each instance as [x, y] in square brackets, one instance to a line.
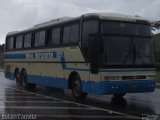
[21, 14]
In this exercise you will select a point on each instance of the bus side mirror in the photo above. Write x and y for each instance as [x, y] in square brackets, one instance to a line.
[94, 51]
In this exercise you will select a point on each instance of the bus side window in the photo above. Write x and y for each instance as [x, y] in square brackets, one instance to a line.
[40, 38]
[7, 43]
[19, 41]
[71, 34]
[74, 33]
[27, 40]
[66, 33]
[48, 37]
[89, 27]
[56, 36]
[10, 43]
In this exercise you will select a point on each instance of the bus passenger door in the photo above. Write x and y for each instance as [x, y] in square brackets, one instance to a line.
[88, 27]
[94, 48]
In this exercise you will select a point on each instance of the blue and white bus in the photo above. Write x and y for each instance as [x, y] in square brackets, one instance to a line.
[96, 53]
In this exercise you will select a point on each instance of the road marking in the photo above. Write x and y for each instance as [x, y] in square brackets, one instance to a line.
[101, 109]
[48, 102]
[86, 116]
[11, 91]
[17, 94]
[97, 108]
[43, 107]
[26, 97]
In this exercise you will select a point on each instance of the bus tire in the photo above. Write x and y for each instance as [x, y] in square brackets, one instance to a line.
[18, 78]
[119, 95]
[24, 80]
[76, 87]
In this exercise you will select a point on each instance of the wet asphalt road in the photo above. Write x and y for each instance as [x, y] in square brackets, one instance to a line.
[50, 104]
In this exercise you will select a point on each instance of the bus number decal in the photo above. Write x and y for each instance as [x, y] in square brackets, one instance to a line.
[48, 55]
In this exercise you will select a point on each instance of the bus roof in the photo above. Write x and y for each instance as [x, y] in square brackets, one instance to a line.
[116, 16]
[103, 16]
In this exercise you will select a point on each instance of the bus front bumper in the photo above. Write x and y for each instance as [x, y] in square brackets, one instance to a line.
[120, 87]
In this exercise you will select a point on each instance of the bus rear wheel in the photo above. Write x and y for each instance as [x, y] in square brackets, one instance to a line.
[18, 78]
[24, 81]
[77, 88]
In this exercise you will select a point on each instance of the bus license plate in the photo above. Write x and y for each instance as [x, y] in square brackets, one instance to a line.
[133, 86]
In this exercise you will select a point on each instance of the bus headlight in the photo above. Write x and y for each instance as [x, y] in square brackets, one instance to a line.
[112, 78]
[151, 77]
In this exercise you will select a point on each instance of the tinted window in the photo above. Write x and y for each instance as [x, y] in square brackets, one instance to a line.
[117, 50]
[40, 39]
[128, 50]
[36, 39]
[55, 36]
[66, 33]
[89, 27]
[143, 51]
[126, 28]
[27, 40]
[48, 37]
[71, 34]
[10, 43]
[7, 43]
[19, 41]
[74, 33]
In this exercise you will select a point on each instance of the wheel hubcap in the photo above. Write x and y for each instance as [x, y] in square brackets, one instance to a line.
[18, 79]
[76, 88]
[24, 79]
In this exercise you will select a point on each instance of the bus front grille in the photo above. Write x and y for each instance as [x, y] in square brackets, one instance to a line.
[133, 77]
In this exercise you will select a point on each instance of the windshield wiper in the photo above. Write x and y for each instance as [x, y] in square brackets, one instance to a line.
[136, 54]
[128, 55]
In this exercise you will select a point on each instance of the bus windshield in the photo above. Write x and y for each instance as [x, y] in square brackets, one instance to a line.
[129, 46]
[120, 28]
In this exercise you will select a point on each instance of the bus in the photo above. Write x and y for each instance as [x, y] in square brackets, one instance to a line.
[95, 53]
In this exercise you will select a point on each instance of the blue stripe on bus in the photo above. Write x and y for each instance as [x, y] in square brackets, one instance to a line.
[106, 87]
[64, 65]
[131, 86]
[99, 88]
[9, 75]
[48, 81]
[15, 56]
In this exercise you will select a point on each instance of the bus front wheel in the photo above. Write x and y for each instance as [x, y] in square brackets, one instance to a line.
[24, 81]
[77, 88]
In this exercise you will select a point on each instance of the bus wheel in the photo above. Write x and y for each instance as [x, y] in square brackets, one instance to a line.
[24, 81]
[119, 95]
[77, 88]
[18, 79]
